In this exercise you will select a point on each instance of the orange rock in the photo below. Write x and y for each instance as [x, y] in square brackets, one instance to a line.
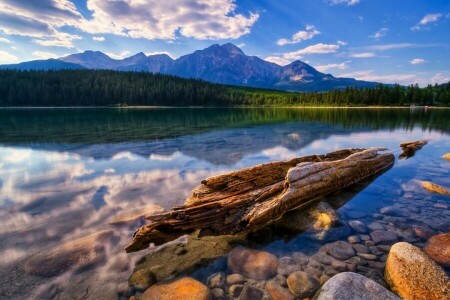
[438, 248]
[411, 274]
[446, 156]
[435, 188]
[186, 288]
[253, 264]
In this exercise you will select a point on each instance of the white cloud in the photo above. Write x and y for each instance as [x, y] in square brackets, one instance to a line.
[417, 61]
[363, 55]
[314, 49]
[278, 60]
[6, 57]
[44, 55]
[379, 34]
[341, 66]
[346, 2]
[6, 41]
[342, 43]
[368, 75]
[120, 55]
[386, 47]
[154, 19]
[59, 39]
[429, 18]
[98, 38]
[440, 78]
[303, 35]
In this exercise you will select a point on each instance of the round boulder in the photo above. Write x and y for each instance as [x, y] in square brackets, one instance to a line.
[438, 248]
[186, 288]
[253, 264]
[302, 284]
[340, 250]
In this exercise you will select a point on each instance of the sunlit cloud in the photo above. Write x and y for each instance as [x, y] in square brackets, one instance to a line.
[363, 55]
[341, 66]
[427, 19]
[303, 35]
[417, 61]
[44, 55]
[278, 60]
[98, 38]
[6, 41]
[345, 2]
[379, 34]
[6, 57]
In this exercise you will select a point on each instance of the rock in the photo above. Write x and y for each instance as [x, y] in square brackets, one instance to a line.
[384, 237]
[278, 292]
[354, 239]
[281, 280]
[302, 284]
[76, 254]
[376, 226]
[251, 293]
[440, 205]
[361, 248]
[356, 260]
[235, 279]
[355, 214]
[124, 290]
[185, 288]
[446, 156]
[364, 237]
[324, 278]
[142, 279]
[438, 248]
[435, 188]
[384, 248]
[412, 275]
[315, 265]
[377, 265]
[330, 271]
[323, 258]
[300, 258]
[235, 290]
[423, 232]
[393, 211]
[358, 226]
[352, 286]
[367, 256]
[288, 265]
[217, 293]
[253, 264]
[339, 265]
[340, 250]
[216, 280]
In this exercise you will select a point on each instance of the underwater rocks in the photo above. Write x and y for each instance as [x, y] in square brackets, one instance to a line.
[352, 286]
[77, 254]
[186, 288]
[412, 275]
[438, 248]
[253, 264]
[340, 250]
[446, 156]
[302, 284]
[435, 188]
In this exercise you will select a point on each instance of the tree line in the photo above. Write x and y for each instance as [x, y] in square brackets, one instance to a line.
[114, 88]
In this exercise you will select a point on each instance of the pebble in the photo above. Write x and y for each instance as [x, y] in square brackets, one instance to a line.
[339, 265]
[354, 239]
[216, 280]
[376, 226]
[253, 264]
[340, 250]
[358, 226]
[235, 290]
[251, 293]
[288, 265]
[235, 279]
[384, 237]
[218, 293]
[368, 256]
[393, 211]
[278, 292]
[302, 284]
[364, 237]
[142, 279]
[361, 248]
[438, 249]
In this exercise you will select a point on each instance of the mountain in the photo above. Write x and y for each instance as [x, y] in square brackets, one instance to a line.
[225, 64]
[48, 64]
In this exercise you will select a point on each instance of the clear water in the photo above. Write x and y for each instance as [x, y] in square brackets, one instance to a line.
[68, 173]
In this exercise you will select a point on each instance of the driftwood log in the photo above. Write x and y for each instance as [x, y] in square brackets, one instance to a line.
[410, 148]
[248, 199]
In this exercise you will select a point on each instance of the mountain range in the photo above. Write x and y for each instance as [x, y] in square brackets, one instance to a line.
[225, 64]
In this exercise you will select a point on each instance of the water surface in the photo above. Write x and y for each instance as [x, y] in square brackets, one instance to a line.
[69, 173]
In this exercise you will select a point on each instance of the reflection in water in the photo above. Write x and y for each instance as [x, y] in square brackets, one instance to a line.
[66, 174]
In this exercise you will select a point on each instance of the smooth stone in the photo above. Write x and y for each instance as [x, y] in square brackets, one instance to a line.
[339, 265]
[216, 280]
[364, 237]
[357, 226]
[357, 260]
[235, 279]
[355, 214]
[278, 292]
[393, 211]
[235, 290]
[440, 205]
[218, 293]
[76, 254]
[376, 226]
[384, 248]
[340, 250]
[301, 258]
[361, 248]
[253, 264]
[352, 286]
[330, 271]
[446, 156]
[354, 239]
[368, 256]
[251, 293]
[288, 265]
[384, 237]
[411, 274]
[377, 265]
[315, 265]
[324, 258]
[142, 279]
[302, 284]
[438, 249]
[281, 280]
[185, 288]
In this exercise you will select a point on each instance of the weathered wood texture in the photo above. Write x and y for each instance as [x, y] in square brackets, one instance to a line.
[410, 148]
[248, 199]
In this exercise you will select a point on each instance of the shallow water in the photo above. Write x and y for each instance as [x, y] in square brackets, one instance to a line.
[68, 173]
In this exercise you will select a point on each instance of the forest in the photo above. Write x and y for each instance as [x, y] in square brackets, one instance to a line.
[114, 88]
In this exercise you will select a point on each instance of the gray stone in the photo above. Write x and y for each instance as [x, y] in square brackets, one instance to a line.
[302, 284]
[352, 286]
[288, 265]
[356, 260]
[235, 290]
[217, 293]
[384, 237]
[253, 264]
[251, 293]
[323, 258]
[355, 214]
[235, 279]
[364, 237]
[354, 239]
[393, 211]
[367, 256]
[216, 280]
[281, 280]
[340, 250]
[339, 265]
[300, 258]
[376, 226]
[361, 248]
[358, 226]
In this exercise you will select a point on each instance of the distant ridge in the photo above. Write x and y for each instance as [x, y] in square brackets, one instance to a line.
[225, 64]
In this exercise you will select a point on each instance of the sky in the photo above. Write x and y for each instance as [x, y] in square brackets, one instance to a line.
[390, 41]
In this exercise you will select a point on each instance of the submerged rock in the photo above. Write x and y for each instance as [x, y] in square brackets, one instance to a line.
[142, 279]
[438, 248]
[412, 275]
[358, 226]
[186, 288]
[435, 188]
[384, 237]
[340, 250]
[277, 292]
[302, 284]
[253, 264]
[446, 156]
[352, 286]
[80, 253]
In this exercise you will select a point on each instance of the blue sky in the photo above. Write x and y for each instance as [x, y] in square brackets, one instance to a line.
[403, 41]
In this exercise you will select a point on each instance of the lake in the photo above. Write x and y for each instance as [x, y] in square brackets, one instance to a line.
[68, 174]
